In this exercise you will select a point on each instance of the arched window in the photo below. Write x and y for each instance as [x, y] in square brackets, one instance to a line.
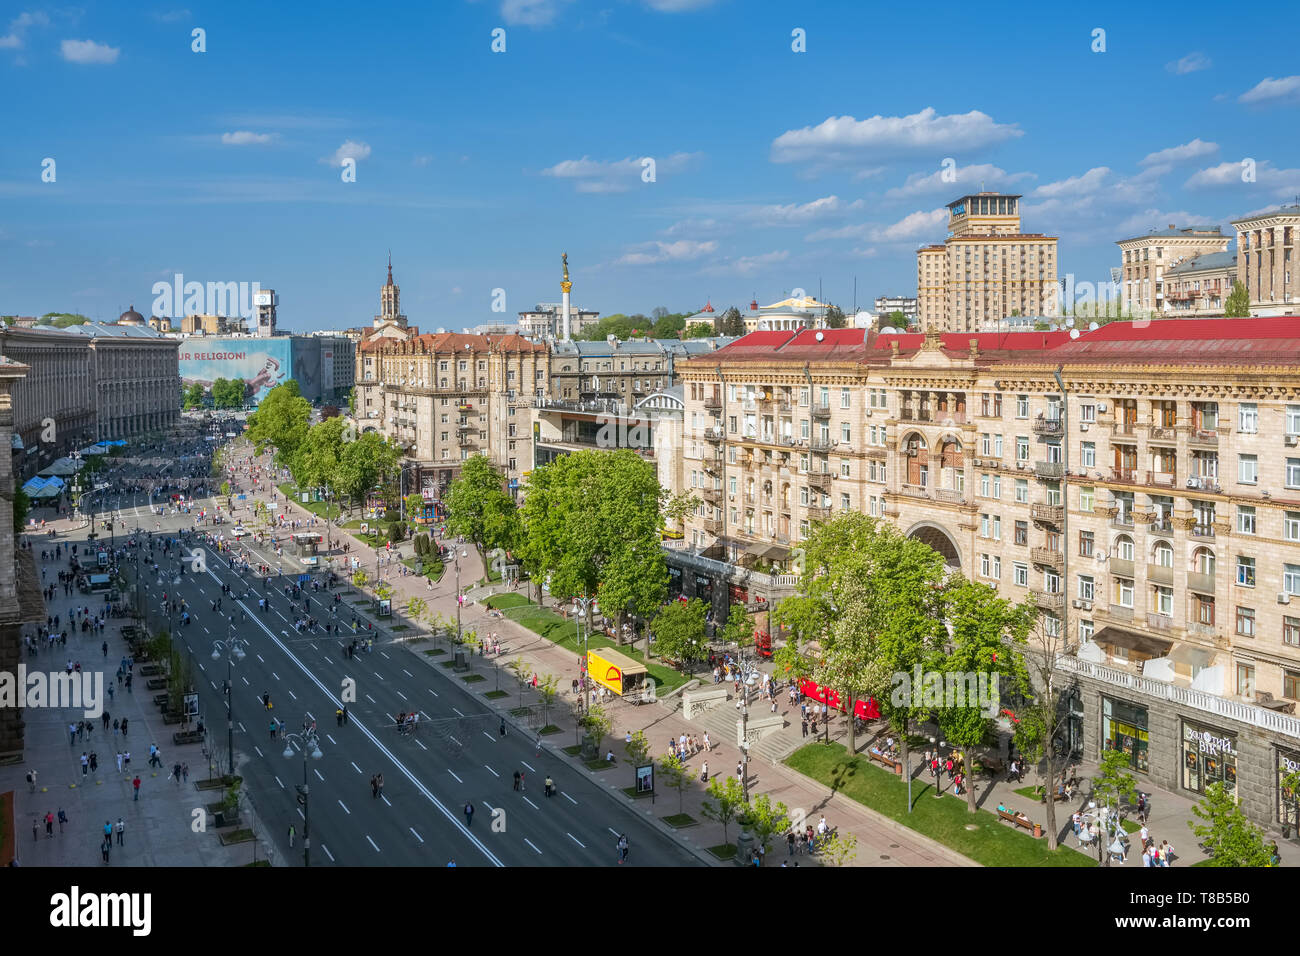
[916, 458]
[1163, 555]
[1124, 548]
[1203, 561]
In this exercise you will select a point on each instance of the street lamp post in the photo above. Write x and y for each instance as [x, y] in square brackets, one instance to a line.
[937, 768]
[580, 607]
[309, 743]
[234, 650]
[460, 553]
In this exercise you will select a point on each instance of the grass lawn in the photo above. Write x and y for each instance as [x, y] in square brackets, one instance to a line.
[431, 568]
[631, 792]
[725, 852]
[259, 863]
[473, 678]
[600, 764]
[573, 750]
[679, 820]
[496, 694]
[992, 843]
[550, 625]
[434, 652]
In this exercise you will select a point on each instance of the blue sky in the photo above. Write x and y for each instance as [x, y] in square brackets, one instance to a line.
[774, 169]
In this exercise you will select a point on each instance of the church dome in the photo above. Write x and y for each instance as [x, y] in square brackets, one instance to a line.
[131, 317]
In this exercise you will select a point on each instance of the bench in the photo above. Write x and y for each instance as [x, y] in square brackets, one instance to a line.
[156, 683]
[1057, 797]
[187, 737]
[1019, 821]
[884, 761]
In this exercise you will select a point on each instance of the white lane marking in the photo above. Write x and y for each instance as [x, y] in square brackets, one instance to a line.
[433, 692]
[354, 766]
[533, 845]
[455, 741]
[417, 836]
[277, 780]
[458, 713]
[371, 699]
[202, 668]
[384, 656]
[442, 808]
[575, 839]
[385, 799]
[301, 814]
[377, 674]
[345, 808]
[372, 843]
[275, 675]
[241, 727]
[331, 739]
[489, 736]
[494, 773]
[259, 657]
[613, 831]
[213, 683]
[206, 631]
[292, 694]
[421, 746]
[327, 852]
[317, 773]
[407, 673]
[525, 763]
[453, 773]
[403, 696]
[569, 798]
[531, 804]
[259, 752]
[245, 680]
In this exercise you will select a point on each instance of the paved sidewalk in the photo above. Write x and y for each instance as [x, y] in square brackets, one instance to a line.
[157, 828]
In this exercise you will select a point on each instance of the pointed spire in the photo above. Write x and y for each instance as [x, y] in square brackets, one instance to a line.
[390, 266]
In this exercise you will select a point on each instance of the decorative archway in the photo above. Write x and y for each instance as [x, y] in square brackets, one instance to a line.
[916, 460]
[938, 538]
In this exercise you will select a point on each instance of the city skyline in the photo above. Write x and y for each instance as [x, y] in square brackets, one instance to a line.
[478, 168]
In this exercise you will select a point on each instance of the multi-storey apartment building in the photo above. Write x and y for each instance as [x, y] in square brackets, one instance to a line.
[447, 397]
[1146, 259]
[1267, 261]
[1199, 287]
[986, 269]
[1148, 503]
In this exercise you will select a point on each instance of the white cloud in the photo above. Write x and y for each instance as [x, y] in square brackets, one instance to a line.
[798, 214]
[350, 149]
[1140, 223]
[172, 16]
[1189, 64]
[695, 227]
[530, 13]
[1282, 183]
[422, 161]
[678, 6]
[914, 226]
[746, 265]
[243, 137]
[88, 52]
[920, 184]
[615, 176]
[1267, 90]
[651, 253]
[869, 172]
[844, 139]
[18, 27]
[1085, 185]
[1187, 152]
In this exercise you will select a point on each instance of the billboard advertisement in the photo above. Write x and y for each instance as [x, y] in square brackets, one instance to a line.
[261, 363]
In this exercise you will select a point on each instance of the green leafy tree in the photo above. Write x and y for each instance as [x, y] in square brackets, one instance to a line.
[896, 319]
[1229, 838]
[282, 420]
[730, 323]
[766, 819]
[414, 506]
[725, 802]
[1113, 783]
[1237, 304]
[61, 320]
[363, 464]
[22, 505]
[840, 849]
[698, 330]
[679, 631]
[582, 512]
[480, 508]
[635, 583]
[676, 775]
[739, 628]
[638, 749]
[835, 318]
[987, 637]
[228, 393]
[360, 579]
[195, 396]
[548, 688]
[596, 723]
[678, 507]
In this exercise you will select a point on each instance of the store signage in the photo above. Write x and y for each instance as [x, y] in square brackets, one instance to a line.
[1210, 744]
[1289, 765]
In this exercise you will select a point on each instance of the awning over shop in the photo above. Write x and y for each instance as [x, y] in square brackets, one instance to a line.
[775, 552]
[1192, 654]
[93, 450]
[64, 466]
[1142, 643]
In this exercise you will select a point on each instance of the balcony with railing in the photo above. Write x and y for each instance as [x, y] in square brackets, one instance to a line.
[1123, 429]
[1162, 433]
[1163, 623]
[1048, 557]
[1122, 474]
[1201, 629]
[821, 445]
[1048, 600]
[1123, 520]
[712, 495]
[713, 526]
[1162, 479]
[950, 494]
[1200, 582]
[1203, 438]
[713, 402]
[1048, 514]
[1203, 531]
[914, 491]
[1116, 612]
[1048, 426]
[820, 412]
[1162, 526]
[1049, 469]
[714, 433]
[819, 512]
[819, 479]
[465, 439]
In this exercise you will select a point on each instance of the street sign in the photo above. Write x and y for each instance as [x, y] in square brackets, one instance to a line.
[191, 705]
[645, 779]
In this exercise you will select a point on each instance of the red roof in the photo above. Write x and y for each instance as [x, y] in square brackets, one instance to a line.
[984, 341]
[1268, 341]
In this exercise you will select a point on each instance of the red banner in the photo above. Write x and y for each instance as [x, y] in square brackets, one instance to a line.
[865, 709]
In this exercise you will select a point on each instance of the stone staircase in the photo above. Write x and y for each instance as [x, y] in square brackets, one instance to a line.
[721, 721]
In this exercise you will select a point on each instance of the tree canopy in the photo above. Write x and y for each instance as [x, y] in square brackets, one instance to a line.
[282, 420]
[480, 508]
[1237, 304]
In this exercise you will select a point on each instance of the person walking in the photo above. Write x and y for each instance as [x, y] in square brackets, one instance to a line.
[469, 814]
[516, 780]
[31, 781]
[105, 848]
[49, 825]
[292, 834]
[36, 829]
[136, 785]
[549, 786]
[63, 819]
[85, 764]
[185, 773]
[622, 847]
[121, 831]
[380, 781]
[374, 787]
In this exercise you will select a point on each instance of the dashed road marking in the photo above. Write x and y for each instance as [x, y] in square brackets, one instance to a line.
[345, 808]
[493, 772]
[575, 839]
[453, 773]
[533, 845]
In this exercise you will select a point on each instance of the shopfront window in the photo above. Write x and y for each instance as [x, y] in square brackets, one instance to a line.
[1209, 756]
[1124, 727]
[1288, 798]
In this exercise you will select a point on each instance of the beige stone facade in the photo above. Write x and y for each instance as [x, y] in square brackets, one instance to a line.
[1145, 259]
[986, 269]
[450, 396]
[1267, 263]
[1199, 287]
